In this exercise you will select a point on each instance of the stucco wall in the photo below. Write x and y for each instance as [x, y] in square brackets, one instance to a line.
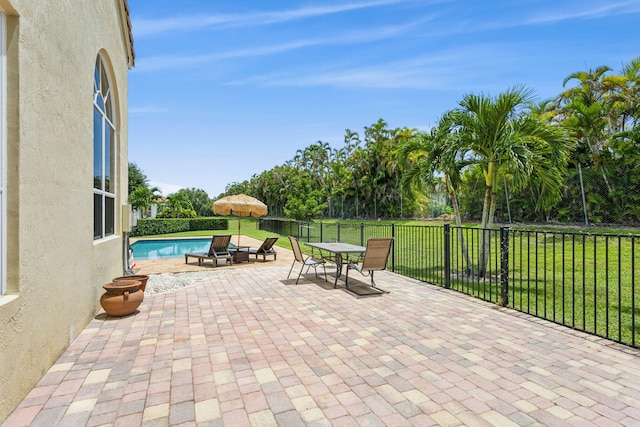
[55, 269]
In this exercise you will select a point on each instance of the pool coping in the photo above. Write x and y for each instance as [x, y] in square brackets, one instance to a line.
[177, 265]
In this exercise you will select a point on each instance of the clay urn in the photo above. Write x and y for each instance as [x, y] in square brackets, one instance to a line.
[121, 298]
[140, 277]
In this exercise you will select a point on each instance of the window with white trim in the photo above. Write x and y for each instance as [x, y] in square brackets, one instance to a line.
[104, 132]
[3, 154]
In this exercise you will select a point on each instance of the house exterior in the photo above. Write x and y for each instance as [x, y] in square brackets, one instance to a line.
[63, 176]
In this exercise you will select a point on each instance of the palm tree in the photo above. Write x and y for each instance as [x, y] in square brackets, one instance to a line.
[586, 113]
[625, 96]
[590, 89]
[177, 205]
[357, 163]
[424, 155]
[379, 145]
[502, 135]
[351, 140]
[142, 198]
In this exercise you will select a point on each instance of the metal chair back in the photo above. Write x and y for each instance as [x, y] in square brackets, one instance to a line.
[306, 262]
[377, 254]
[295, 247]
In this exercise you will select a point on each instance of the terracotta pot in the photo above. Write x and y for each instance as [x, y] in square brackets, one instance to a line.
[121, 298]
[140, 277]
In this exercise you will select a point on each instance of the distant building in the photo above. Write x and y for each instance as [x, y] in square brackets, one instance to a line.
[137, 214]
[63, 176]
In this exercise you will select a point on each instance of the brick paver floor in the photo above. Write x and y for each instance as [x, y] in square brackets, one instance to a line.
[246, 347]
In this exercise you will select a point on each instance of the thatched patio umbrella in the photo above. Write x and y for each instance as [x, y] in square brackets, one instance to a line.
[239, 205]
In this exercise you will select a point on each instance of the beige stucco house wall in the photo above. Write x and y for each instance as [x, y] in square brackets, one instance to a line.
[54, 267]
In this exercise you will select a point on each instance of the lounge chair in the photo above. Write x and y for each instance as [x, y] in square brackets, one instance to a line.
[266, 249]
[308, 262]
[375, 259]
[219, 249]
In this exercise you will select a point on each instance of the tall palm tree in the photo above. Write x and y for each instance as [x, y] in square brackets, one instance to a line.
[378, 142]
[424, 155]
[586, 113]
[338, 179]
[502, 135]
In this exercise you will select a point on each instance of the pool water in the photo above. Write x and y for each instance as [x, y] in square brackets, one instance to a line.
[168, 248]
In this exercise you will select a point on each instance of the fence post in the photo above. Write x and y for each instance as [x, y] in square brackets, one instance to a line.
[393, 248]
[338, 238]
[504, 265]
[361, 234]
[321, 239]
[447, 256]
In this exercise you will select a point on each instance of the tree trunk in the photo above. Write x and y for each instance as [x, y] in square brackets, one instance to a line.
[483, 256]
[463, 244]
[486, 236]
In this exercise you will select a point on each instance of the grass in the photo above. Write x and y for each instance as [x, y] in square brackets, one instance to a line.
[584, 281]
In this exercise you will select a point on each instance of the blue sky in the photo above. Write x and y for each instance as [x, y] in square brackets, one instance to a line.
[223, 90]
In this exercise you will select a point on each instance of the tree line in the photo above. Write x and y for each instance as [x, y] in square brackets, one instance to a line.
[482, 155]
[185, 203]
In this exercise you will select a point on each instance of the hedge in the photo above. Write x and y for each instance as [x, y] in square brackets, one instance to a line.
[154, 226]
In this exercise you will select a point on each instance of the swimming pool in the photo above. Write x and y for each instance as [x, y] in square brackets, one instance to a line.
[168, 248]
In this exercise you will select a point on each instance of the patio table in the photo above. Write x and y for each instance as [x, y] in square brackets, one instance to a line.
[338, 249]
[240, 253]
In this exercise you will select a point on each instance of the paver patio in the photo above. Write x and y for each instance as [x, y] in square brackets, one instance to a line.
[247, 347]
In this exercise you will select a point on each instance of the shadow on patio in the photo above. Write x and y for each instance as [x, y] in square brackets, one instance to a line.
[245, 346]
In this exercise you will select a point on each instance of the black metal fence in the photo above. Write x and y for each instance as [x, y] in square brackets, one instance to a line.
[585, 281]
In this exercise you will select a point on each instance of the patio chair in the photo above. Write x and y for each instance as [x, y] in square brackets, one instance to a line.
[375, 259]
[309, 261]
[266, 249]
[219, 249]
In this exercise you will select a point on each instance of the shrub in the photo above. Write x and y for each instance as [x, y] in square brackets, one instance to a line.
[208, 224]
[154, 226]
[435, 209]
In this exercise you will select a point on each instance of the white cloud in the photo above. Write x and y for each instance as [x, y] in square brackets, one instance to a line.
[597, 10]
[146, 27]
[457, 68]
[354, 37]
[165, 188]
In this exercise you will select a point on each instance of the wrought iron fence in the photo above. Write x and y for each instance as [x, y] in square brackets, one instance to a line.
[585, 281]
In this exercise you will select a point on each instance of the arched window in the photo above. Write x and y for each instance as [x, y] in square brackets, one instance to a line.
[104, 131]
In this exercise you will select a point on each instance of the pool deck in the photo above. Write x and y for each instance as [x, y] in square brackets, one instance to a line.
[177, 265]
[245, 346]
